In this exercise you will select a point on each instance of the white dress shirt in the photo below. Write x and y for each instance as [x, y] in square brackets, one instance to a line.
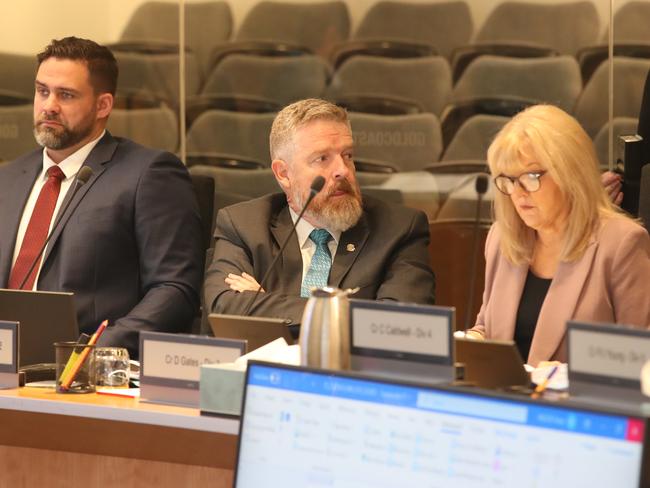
[70, 167]
[307, 246]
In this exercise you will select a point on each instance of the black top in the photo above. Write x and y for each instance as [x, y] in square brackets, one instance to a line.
[530, 304]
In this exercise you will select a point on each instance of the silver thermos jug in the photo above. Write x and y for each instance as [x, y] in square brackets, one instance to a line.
[325, 331]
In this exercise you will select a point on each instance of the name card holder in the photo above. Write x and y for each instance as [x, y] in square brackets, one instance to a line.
[170, 366]
[605, 362]
[9, 347]
[402, 340]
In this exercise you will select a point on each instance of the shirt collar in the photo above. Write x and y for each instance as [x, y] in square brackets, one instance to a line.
[71, 165]
[304, 228]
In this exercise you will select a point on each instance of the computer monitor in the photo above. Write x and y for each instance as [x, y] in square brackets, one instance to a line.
[45, 318]
[303, 427]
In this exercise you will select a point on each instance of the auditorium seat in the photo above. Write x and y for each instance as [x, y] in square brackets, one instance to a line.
[17, 73]
[538, 29]
[473, 138]
[503, 86]
[425, 82]
[242, 136]
[408, 29]
[459, 197]
[16, 130]
[278, 27]
[242, 183]
[151, 127]
[564, 26]
[631, 37]
[403, 142]
[450, 251]
[622, 126]
[157, 75]
[276, 79]
[592, 109]
[154, 25]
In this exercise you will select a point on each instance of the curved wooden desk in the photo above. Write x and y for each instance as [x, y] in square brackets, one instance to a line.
[48, 439]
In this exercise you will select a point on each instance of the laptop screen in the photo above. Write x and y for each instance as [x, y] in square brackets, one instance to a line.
[319, 428]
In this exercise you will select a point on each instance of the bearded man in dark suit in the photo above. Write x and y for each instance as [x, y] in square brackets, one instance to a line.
[129, 244]
[382, 249]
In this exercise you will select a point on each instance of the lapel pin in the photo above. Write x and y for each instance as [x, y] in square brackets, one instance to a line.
[350, 248]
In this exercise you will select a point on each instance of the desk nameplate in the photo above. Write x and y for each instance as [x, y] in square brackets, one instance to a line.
[9, 355]
[171, 364]
[603, 357]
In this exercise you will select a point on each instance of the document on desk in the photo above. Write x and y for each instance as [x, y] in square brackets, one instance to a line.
[559, 381]
[277, 351]
[120, 392]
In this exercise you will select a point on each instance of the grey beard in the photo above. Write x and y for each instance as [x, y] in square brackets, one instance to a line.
[52, 140]
[339, 218]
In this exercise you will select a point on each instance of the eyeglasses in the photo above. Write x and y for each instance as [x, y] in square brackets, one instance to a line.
[528, 181]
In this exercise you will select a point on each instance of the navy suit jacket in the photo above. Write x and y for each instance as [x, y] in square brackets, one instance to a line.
[129, 246]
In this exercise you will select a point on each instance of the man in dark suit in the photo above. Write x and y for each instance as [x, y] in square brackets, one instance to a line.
[380, 248]
[129, 244]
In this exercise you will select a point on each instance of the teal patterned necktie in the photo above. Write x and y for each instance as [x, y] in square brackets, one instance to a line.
[321, 262]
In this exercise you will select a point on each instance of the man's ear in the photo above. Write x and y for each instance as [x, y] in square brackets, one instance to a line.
[280, 169]
[104, 105]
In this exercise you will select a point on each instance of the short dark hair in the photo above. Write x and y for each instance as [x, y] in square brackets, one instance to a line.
[102, 66]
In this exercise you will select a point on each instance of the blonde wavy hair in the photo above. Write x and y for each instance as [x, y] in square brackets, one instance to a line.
[561, 147]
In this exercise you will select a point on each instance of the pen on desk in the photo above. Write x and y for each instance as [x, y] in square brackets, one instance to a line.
[67, 381]
[539, 389]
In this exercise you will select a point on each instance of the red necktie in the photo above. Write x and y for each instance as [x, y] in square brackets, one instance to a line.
[37, 230]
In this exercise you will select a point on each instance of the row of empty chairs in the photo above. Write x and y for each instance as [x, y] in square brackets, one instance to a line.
[401, 142]
[388, 28]
[403, 91]
[148, 45]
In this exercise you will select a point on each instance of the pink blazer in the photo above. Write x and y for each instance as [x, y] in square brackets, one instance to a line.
[609, 283]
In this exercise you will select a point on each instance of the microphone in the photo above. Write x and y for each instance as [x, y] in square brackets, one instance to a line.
[481, 187]
[316, 186]
[83, 175]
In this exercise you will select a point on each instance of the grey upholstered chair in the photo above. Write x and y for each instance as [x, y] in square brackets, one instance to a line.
[565, 26]
[402, 142]
[501, 85]
[16, 130]
[553, 80]
[629, 78]
[207, 24]
[474, 137]
[17, 72]
[279, 79]
[240, 135]
[317, 26]
[156, 75]
[443, 25]
[424, 81]
[152, 127]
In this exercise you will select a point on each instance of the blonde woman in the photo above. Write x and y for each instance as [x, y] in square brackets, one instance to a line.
[559, 249]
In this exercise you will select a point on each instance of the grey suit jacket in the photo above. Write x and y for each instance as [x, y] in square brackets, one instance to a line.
[130, 244]
[385, 255]
[609, 283]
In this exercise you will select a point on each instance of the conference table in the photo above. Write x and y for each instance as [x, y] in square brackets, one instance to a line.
[69, 440]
